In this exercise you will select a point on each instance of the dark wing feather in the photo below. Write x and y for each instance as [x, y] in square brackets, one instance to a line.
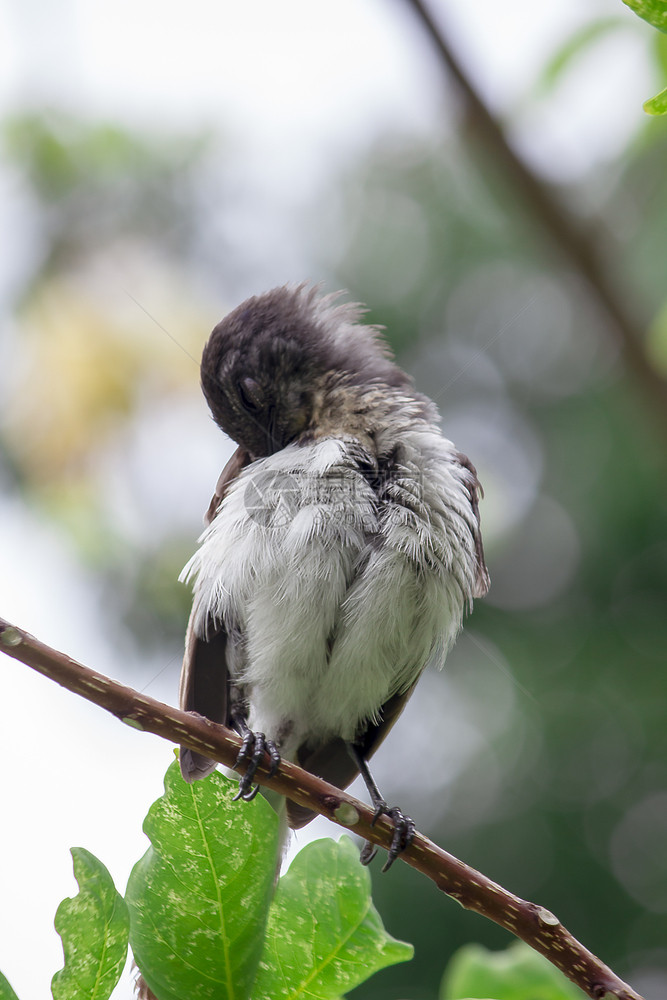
[236, 463]
[475, 491]
[204, 686]
[204, 689]
[333, 762]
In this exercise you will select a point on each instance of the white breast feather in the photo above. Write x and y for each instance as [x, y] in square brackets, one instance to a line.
[342, 601]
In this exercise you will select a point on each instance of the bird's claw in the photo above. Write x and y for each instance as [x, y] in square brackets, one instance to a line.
[368, 852]
[404, 832]
[252, 751]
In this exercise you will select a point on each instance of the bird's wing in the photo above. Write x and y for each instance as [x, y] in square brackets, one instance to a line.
[236, 463]
[332, 760]
[204, 685]
[475, 491]
[203, 689]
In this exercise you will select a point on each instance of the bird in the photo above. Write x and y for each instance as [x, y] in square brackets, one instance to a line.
[342, 546]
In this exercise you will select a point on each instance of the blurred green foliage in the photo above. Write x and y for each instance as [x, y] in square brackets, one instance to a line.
[93, 182]
[518, 973]
[567, 826]
[567, 803]
[655, 12]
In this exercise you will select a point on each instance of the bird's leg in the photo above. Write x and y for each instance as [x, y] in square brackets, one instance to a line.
[404, 827]
[252, 750]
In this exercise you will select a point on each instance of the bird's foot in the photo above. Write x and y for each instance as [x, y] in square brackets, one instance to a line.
[255, 745]
[404, 832]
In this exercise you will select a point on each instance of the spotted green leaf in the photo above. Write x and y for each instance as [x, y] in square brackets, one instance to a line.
[6, 992]
[199, 897]
[657, 105]
[653, 11]
[324, 935]
[94, 931]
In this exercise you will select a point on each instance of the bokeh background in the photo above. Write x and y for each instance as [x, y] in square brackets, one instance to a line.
[160, 162]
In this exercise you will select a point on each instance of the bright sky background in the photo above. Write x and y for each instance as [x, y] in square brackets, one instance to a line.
[300, 86]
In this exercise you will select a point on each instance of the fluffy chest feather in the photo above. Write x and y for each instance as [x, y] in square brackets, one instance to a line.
[338, 584]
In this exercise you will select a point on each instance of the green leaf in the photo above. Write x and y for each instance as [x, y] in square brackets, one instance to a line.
[324, 935]
[659, 52]
[94, 931]
[653, 11]
[574, 46]
[519, 973]
[199, 897]
[6, 992]
[657, 105]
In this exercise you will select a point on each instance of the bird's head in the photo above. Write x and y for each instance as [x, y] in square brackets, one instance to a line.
[269, 365]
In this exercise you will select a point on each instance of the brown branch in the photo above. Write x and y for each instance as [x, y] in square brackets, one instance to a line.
[577, 245]
[532, 923]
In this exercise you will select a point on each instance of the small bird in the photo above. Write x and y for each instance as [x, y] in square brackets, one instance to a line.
[343, 545]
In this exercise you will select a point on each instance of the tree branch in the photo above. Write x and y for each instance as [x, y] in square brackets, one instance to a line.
[575, 243]
[532, 923]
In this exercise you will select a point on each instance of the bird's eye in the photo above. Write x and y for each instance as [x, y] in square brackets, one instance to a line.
[250, 394]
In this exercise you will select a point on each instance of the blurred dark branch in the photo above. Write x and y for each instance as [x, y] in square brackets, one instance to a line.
[532, 923]
[576, 244]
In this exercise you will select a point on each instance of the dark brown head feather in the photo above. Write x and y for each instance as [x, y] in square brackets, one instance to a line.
[267, 359]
